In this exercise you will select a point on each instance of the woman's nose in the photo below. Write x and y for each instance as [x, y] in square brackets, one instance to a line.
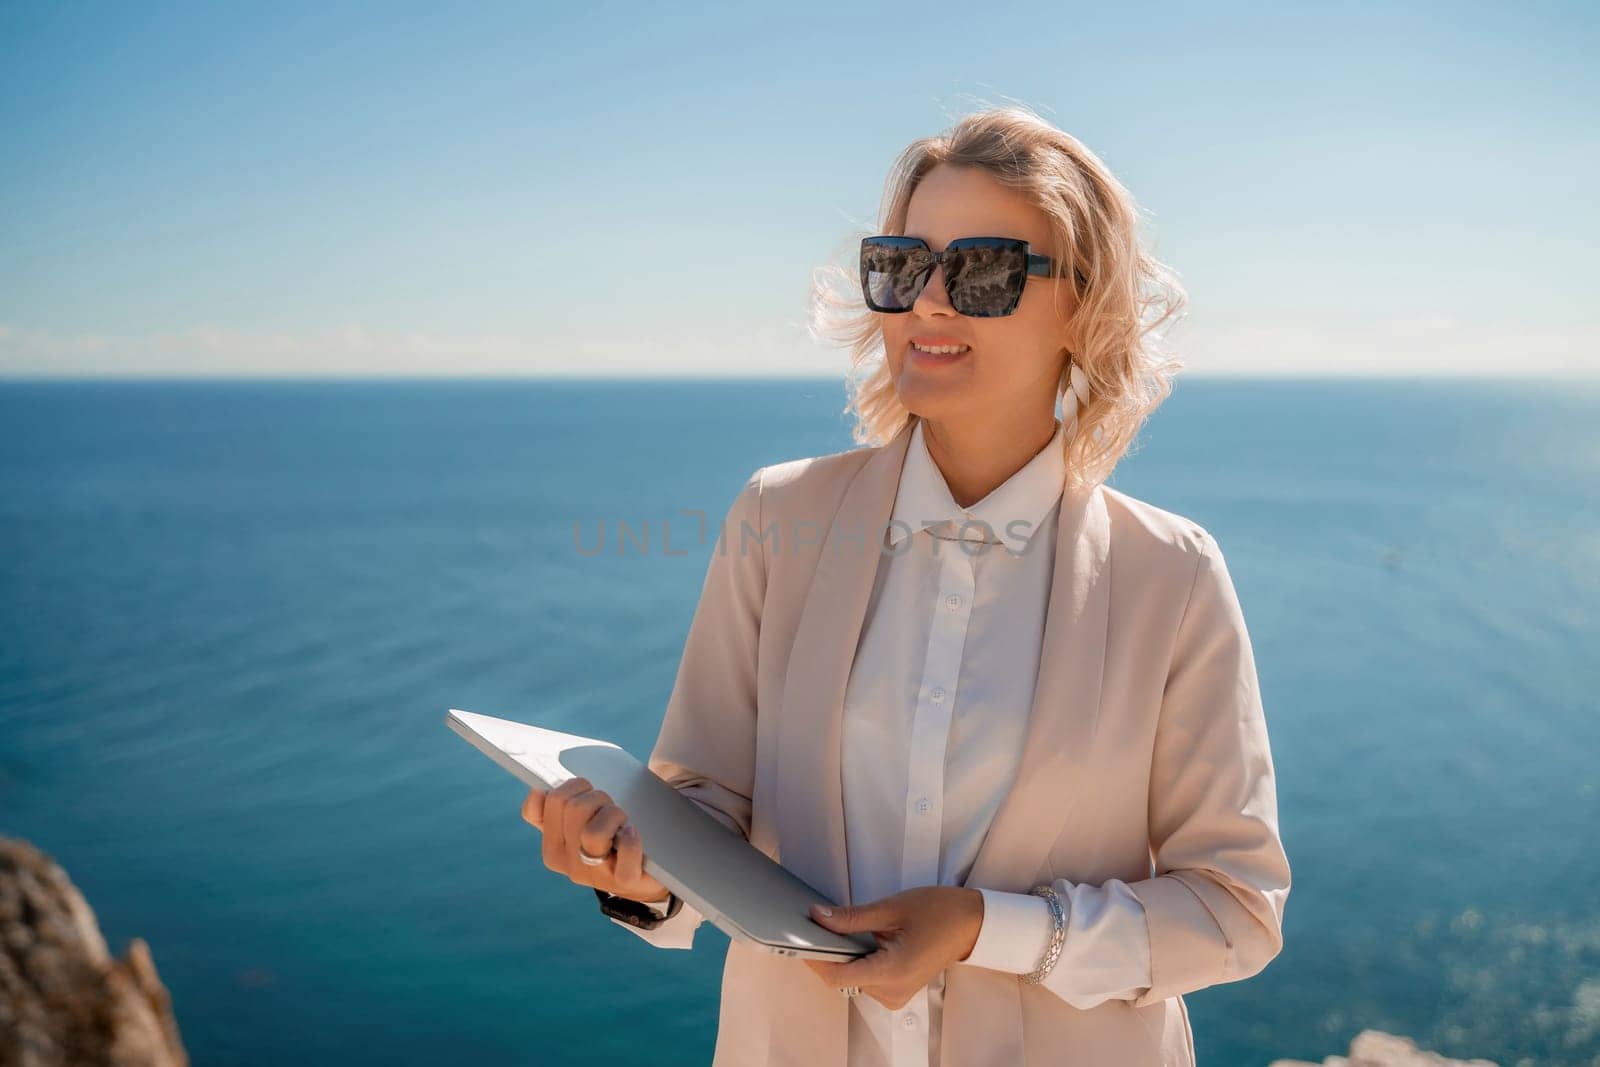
[933, 296]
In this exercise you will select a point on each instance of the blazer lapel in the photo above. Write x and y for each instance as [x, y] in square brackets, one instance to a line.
[983, 1009]
[810, 790]
[1066, 701]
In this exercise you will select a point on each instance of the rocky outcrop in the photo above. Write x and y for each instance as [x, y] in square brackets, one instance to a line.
[64, 1000]
[1374, 1048]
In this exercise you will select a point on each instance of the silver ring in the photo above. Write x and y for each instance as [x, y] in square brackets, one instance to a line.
[851, 990]
[592, 861]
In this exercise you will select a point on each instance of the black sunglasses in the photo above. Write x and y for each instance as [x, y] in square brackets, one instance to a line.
[983, 276]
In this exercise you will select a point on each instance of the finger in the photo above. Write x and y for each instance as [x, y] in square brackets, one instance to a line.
[823, 970]
[533, 807]
[874, 969]
[599, 834]
[846, 919]
[578, 810]
[630, 856]
[893, 999]
[574, 817]
[841, 975]
[555, 839]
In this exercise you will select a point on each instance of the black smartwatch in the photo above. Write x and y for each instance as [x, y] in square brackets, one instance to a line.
[635, 913]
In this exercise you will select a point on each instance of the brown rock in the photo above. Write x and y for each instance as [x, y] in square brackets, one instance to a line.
[64, 1000]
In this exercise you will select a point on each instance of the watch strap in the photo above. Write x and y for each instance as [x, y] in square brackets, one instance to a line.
[636, 913]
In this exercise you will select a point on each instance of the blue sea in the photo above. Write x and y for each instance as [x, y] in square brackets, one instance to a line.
[233, 615]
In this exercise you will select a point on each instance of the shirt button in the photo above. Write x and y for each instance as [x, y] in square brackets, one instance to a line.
[923, 805]
[909, 1021]
[937, 694]
[952, 602]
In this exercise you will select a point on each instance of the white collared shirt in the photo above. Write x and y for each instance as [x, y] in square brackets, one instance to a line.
[935, 715]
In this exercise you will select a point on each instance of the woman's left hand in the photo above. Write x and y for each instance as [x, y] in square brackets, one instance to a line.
[920, 932]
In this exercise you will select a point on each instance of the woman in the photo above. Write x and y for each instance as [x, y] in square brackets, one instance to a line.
[1007, 715]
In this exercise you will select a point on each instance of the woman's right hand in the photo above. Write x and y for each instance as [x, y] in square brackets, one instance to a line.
[574, 815]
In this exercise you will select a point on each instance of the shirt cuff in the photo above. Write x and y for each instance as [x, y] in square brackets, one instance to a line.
[1015, 933]
[676, 932]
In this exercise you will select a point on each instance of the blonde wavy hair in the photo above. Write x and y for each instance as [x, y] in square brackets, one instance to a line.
[1123, 295]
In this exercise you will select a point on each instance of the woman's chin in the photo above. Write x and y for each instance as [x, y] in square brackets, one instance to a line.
[931, 395]
[930, 407]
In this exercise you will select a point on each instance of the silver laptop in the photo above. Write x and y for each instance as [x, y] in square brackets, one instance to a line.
[735, 885]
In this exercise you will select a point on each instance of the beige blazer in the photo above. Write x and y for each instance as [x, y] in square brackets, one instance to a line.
[1147, 760]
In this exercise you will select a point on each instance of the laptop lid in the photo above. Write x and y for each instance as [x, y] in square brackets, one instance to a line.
[735, 885]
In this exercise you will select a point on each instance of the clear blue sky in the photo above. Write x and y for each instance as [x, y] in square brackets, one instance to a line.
[393, 188]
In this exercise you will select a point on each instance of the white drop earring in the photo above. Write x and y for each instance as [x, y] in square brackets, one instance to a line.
[1078, 391]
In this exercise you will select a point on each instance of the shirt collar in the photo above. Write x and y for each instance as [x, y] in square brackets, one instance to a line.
[1012, 512]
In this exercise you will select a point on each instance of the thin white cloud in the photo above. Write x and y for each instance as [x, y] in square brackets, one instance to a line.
[1424, 344]
[352, 349]
[1418, 345]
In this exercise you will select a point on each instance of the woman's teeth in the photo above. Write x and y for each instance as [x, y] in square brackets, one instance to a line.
[940, 350]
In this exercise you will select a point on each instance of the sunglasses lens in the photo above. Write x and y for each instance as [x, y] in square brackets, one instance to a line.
[987, 281]
[892, 276]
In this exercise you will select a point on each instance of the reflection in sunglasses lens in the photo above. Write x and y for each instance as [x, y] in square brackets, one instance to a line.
[986, 281]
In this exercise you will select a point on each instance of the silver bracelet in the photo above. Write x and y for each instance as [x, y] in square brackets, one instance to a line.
[1057, 936]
